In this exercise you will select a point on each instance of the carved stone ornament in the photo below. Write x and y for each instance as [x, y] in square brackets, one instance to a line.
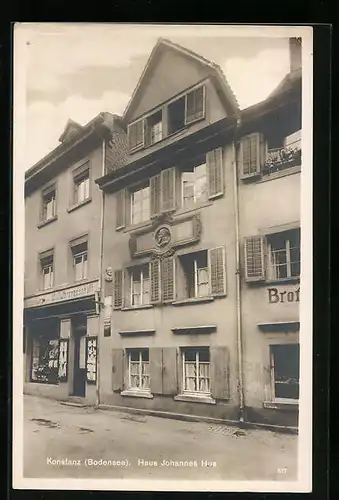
[162, 236]
[109, 274]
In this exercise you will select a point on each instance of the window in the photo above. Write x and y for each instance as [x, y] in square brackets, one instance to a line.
[196, 274]
[136, 135]
[154, 128]
[194, 185]
[138, 369]
[285, 371]
[140, 205]
[176, 115]
[80, 261]
[196, 370]
[45, 355]
[47, 271]
[48, 204]
[186, 109]
[81, 186]
[284, 255]
[140, 285]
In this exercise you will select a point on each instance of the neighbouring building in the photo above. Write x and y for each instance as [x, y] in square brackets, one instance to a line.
[63, 229]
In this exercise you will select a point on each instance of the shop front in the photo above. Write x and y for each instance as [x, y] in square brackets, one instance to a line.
[61, 341]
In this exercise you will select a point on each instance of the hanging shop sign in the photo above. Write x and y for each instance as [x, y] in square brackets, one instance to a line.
[69, 293]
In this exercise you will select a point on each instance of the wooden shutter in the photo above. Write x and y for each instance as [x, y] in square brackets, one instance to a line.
[254, 258]
[168, 189]
[169, 371]
[250, 156]
[117, 369]
[219, 359]
[195, 105]
[155, 360]
[118, 288]
[155, 280]
[217, 270]
[167, 279]
[136, 135]
[215, 173]
[155, 188]
[120, 209]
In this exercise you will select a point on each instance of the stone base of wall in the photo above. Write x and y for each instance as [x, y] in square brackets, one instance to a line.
[59, 392]
[265, 416]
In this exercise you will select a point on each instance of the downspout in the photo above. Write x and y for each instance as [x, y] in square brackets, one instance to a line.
[103, 171]
[238, 276]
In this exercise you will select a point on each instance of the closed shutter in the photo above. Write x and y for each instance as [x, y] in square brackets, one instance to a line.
[217, 270]
[168, 189]
[219, 357]
[136, 135]
[169, 371]
[250, 155]
[155, 280]
[254, 258]
[155, 360]
[195, 105]
[167, 279]
[215, 171]
[120, 209]
[155, 188]
[117, 370]
[118, 288]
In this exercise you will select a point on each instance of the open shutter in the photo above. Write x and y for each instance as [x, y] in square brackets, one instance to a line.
[254, 258]
[219, 357]
[118, 288]
[215, 173]
[117, 370]
[155, 360]
[168, 189]
[250, 156]
[167, 279]
[155, 189]
[169, 371]
[136, 135]
[154, 268]
[195, 105]
[217, 270]
[120, 209]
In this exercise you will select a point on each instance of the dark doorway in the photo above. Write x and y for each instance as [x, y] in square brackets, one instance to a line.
[79, 325]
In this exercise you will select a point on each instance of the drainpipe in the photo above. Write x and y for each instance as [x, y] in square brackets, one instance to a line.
[100, 271]
[238, 276]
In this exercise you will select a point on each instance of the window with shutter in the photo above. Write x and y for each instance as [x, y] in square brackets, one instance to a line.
[215, 172]
[136, 135]
[167, 279]
[155, 194]
[168, 189]
[195, 105]
[120, 209]
[155, 280]
[118, 288]
[254, 258]
[220, 372]
[217, 270]
[250, 155]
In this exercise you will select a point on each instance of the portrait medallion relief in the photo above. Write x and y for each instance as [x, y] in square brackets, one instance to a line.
[162, 237]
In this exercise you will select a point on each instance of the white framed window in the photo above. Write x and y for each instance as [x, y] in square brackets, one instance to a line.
[47, 272]
[80, 260]
[140, 205]
[48, 204]
[196, 370]
[140, 285]
[138, 369]
[154, 128]
[194, 185]
[283, 255]
[81, 186]
[285, 359]
[196, 274]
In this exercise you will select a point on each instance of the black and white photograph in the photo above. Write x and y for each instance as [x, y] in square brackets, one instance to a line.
[162, 297]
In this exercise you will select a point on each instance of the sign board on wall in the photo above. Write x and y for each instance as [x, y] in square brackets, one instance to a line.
[56, 296]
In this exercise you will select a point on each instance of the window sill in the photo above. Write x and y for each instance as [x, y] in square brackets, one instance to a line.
[281, 405]
[137, 394]
[182, 211]
[134, 227]
[281, 173]
[198, 300]
[136, 333]
[195, 398]
[48, 221]
[80, 204]
[295, 279]
[135, 308]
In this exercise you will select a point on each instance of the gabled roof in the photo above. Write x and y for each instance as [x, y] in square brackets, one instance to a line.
[70, 130]
[163, 43]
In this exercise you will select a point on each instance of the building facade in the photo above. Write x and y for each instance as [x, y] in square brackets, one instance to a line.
[63, 227]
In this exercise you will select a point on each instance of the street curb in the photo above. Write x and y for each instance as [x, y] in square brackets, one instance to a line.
[197, 418]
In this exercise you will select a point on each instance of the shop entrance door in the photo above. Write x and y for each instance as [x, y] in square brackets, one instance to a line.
[79, 335]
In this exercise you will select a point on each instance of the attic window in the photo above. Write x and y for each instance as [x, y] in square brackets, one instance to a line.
[154, 131]
[176, 115]
[186, 109]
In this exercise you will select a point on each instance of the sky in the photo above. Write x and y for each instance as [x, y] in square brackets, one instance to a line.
[79, 70]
